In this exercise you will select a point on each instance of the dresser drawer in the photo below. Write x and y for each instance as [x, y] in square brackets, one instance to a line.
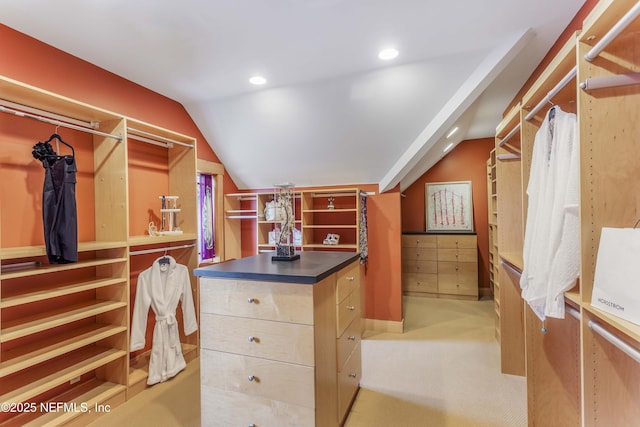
[452, 267]
[226, 408]
[420, 282]
[282, 341]
[457, 241]
[348, 381]
[420, 254]
[348, 341]
[461, 255]
[286, 302]
[427, 267]
[451, 285]
[347, 280]
[253, 376]
[418, 241]
[347, 311]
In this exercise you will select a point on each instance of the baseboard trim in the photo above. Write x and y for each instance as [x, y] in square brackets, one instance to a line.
[384, 326]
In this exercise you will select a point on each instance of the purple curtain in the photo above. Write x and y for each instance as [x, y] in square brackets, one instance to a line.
[207, 249]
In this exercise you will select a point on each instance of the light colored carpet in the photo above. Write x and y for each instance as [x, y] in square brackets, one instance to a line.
[444, 371]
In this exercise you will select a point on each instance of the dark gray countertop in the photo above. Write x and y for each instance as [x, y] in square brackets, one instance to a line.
[312, 267]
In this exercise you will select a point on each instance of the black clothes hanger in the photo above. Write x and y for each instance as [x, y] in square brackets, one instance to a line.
[59, 138]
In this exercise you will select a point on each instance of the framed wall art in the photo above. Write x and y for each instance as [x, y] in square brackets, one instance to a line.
[449, 206]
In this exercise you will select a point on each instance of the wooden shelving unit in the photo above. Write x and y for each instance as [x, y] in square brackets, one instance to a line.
[64, 329]
[492, 215]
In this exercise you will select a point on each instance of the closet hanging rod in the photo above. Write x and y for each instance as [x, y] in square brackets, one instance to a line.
[509, 135]
[509, 156]
[617, 342]
[58, 123]
[614, 32]
[168, 248]
[49, 115]
[572, 311]
[511, 268]
[610, 81]
[553, 92]
[140, 136]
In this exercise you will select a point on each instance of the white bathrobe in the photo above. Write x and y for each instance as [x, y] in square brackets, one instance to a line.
[552, 238]
[161, 287]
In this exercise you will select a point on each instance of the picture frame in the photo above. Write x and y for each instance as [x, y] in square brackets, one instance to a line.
[449, 206]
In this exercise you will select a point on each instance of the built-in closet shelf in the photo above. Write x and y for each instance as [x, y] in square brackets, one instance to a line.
[37, 251]
[29, 355]
[513, 259]
[54, 268]
[58, 372]
[332, 226]
[138, 367]
[573, 296]
[61, 316]
[318, 246]
[45, 292]
[154, 240]
[89, 393]
[628, 328]
[328, 210]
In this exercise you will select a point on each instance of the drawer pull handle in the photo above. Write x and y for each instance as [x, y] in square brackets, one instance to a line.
[252, 378]
[253, 339]
[252, 300]
[352, 375]
[350, 308]
[252, 425]
[351, 338]
[351, 278]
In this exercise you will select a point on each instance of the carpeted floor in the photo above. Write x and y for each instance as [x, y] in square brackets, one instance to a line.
[444, 371]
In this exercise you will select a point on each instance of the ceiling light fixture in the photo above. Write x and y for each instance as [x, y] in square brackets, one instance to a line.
[257, 80]
[454, 130]
[388, 54]
[447, 148]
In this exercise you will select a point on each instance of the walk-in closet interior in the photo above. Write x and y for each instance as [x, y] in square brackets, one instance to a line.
[112, 193]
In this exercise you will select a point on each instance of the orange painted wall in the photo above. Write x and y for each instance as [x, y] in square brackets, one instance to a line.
[466, 162]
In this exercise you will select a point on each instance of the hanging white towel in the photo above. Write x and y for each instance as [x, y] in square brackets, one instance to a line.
[552, 239]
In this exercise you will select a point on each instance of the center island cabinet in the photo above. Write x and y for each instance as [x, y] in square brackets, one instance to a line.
[280, 340]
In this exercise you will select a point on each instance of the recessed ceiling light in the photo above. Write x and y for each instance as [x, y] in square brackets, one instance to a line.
[447, 148]
[454, 130]
[388, 54]
[257, 80]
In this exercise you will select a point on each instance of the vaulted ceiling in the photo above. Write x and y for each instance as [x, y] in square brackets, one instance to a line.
[331, 112]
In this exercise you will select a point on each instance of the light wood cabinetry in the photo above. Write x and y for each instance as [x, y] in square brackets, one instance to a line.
[289, 353]
[583, 370]
[314, 219]
[492, 215]
[64, 328]
[440, 265]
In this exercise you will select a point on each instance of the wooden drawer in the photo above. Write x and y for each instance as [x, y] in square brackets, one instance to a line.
[457, 241]
[452, 267]
[347, 311]
[427, 267]
[420, 282]
[461, 255]
[449, 284]
[226, 408]
[348, 341]
[282, 341]
[286, 302]
[347, 280]
[418, 241]
[269, 379]
[419, 254]
[348, 381]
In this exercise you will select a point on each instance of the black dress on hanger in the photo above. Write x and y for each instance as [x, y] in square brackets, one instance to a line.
[59, 212]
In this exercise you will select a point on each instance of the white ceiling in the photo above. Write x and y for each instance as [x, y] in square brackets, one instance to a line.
[331, 112]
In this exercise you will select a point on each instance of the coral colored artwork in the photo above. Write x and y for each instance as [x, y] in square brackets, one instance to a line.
[449, 206]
